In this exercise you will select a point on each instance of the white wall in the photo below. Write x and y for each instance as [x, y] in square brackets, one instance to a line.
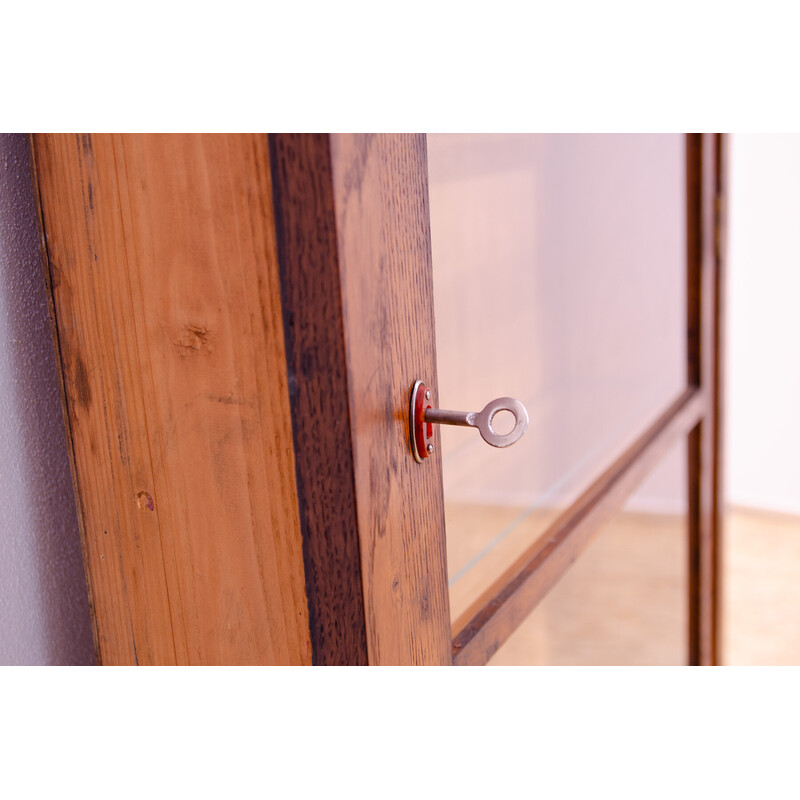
[44, 609]
[762, 457]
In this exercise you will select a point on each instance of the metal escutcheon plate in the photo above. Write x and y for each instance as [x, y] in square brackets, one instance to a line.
[421, 433]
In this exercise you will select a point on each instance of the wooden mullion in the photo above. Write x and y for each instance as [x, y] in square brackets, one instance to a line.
[705, 270]
[694, 252]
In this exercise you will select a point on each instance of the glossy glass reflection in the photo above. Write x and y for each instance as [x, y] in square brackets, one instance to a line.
[559, 279]
[624, 602]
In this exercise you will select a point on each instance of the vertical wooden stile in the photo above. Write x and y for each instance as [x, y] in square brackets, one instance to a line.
[380, 190]
[706, 181]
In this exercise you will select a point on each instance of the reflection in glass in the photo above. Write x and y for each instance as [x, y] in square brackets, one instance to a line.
[624, 601]
[559, 279]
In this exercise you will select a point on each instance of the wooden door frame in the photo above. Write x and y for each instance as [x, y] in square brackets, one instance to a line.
[353, 229]
[374, 170]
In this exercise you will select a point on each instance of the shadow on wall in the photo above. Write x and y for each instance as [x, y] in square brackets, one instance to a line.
[44, 607]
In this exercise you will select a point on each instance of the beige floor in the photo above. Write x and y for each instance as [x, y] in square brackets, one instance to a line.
[761, 613]
[624, 601]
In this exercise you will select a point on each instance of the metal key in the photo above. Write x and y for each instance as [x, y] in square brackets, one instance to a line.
[423, 416]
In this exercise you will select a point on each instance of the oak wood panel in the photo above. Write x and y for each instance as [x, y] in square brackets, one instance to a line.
[705, 270]
[165, 290]
[481, 630]
[383, 225]
[314, 332]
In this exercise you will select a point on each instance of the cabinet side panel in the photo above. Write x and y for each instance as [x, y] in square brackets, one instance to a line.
[165, 291]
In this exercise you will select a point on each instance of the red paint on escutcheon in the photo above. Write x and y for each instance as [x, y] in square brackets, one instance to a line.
[423, 431]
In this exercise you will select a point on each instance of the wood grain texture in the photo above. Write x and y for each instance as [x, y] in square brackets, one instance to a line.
[165, 290]
[705, 273]
[482, 629]
[314, 332]
[383, 225]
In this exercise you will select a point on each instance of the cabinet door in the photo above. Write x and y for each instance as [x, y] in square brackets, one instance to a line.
[578, 273]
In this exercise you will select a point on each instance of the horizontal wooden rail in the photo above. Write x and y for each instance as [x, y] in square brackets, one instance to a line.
[483, 628]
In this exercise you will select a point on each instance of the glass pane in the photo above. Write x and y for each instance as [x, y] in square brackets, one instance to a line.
[559, 279]
[624, 602]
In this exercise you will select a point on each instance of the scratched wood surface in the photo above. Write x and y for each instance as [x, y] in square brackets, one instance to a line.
[165, 291]
[383, 226]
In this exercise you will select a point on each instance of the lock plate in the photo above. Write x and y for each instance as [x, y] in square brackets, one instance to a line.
[420, 431]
